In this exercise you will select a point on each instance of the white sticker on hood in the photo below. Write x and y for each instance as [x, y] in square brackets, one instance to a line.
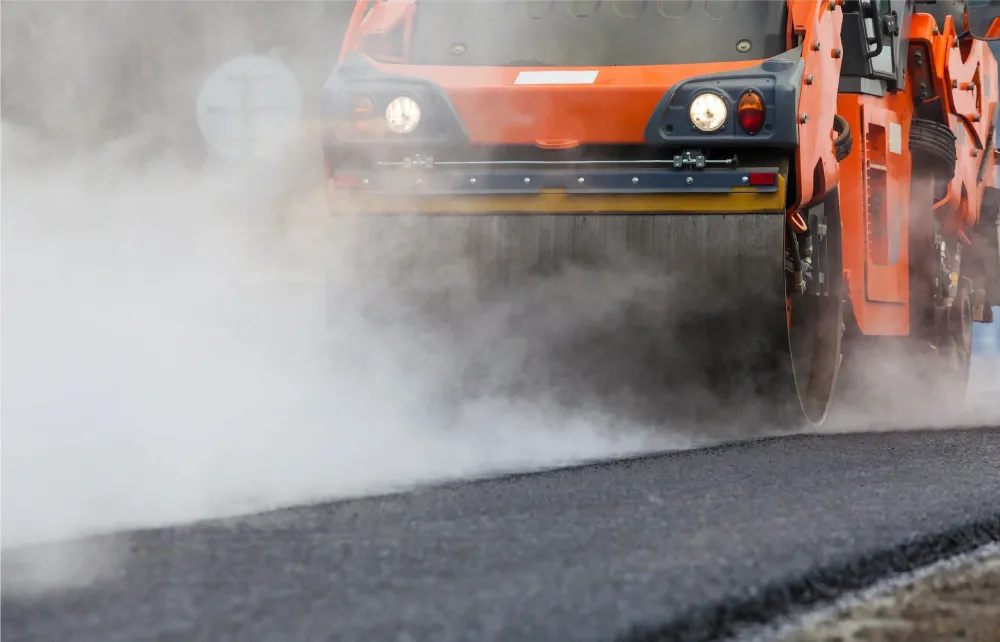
[556, 78]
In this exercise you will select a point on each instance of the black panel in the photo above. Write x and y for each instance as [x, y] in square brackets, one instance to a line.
[355, 76]
[777, 80]
[853, 40]
[861, 85]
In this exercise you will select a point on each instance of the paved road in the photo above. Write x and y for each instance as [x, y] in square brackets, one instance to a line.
[576, 554]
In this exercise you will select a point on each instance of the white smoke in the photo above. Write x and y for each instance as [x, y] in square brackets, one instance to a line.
[170, 355]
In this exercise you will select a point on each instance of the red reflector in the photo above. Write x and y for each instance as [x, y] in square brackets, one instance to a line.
[763, 179]
[346, 180]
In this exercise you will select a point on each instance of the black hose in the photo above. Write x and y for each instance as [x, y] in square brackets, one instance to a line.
[844, 142]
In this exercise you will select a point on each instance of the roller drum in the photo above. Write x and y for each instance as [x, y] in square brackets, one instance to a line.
[658, 318]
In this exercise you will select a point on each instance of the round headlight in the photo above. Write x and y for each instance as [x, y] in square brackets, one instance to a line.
[708, 112]
[402, 115]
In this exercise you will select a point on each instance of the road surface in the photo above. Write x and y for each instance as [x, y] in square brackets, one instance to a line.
[686, 542]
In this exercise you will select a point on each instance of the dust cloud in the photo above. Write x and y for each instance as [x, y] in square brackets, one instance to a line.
[184, 337]
[173, 350]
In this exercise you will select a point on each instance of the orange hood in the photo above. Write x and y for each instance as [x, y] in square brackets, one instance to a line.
[557, 108]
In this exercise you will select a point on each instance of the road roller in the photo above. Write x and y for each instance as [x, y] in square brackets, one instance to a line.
[746, 203]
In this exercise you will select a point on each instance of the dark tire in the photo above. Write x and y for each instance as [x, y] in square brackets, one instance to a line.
[934, 151]
[955, 346]
[816, 319]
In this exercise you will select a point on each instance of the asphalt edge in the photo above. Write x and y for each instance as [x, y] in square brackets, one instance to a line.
[821, 586]
[496, 477]
[785, 628]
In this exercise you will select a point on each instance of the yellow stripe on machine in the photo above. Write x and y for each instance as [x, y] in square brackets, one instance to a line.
[740, 200]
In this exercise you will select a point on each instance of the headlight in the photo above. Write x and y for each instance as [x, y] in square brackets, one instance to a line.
[402, 115]
[708, 112]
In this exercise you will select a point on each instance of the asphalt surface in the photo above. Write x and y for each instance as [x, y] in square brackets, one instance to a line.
[577, 554]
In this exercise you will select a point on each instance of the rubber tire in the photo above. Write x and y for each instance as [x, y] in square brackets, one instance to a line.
[933, 146]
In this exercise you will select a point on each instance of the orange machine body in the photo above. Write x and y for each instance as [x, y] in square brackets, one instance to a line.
[937, 77]
[615, 108]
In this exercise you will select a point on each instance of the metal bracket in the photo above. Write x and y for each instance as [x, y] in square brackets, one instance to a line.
[693, 159]
[890, 24]
[418, 162]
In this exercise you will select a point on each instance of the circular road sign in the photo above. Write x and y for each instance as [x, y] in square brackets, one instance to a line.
[248, 107]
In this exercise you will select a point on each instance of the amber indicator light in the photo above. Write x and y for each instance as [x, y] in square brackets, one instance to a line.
[750, 112]
[363, 116]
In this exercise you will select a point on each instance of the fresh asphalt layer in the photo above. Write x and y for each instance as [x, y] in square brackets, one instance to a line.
[685, 545]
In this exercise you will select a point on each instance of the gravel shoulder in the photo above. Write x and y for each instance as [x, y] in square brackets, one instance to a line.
[957, 600]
